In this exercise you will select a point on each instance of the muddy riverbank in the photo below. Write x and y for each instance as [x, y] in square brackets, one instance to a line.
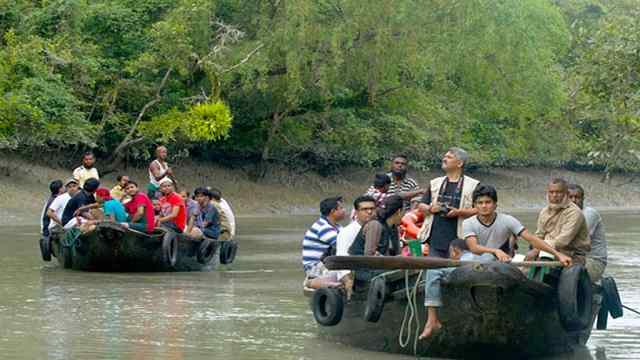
[23, 187]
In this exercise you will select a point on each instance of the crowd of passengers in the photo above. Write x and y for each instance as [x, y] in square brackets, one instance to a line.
[80, 202]
[457, 219]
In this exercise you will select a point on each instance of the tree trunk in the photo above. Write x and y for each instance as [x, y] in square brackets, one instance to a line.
[261, 169]
[118, 154]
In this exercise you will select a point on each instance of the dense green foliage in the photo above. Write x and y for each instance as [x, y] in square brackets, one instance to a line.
[325, 83]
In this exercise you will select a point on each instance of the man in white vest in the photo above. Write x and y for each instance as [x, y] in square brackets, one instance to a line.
[448, 201]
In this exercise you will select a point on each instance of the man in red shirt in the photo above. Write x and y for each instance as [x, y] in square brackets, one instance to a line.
[140, 208]
[173, 213]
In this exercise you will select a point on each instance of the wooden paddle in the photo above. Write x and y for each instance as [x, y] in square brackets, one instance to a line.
[409, 263]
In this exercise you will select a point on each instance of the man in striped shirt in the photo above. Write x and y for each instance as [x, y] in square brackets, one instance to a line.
[400, 182]
[321, 237]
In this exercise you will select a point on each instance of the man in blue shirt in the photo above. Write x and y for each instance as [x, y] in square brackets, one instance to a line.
[207, 218]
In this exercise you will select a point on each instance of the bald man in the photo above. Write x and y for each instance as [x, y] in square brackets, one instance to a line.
[158, 170]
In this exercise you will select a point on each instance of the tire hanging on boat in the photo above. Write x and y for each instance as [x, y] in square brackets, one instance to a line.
[206, 251]
[228, 251]
[45, 248]
[603, 315]
[575, 298]
[169, 249]
[612, 297]
[375, 300]
[327, 305]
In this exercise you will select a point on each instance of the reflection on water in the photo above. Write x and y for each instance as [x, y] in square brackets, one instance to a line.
[252, 310]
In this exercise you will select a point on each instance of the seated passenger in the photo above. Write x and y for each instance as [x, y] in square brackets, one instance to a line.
[562, 225]
[118, 192]
[226, 230]
[596, 260]
[207, 222]
[140, 209]
[320, 239]
[379, 190]
[485, 233]
[173, 212]
[57, 189]
[55, 210]
[380, 235]
[110, 209]
[192, 211]
[71, 217]
[113, 209]
[224, 206]
[365, 209]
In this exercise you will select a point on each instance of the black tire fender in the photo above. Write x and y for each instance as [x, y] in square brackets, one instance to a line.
[612, 297]
[45, 248]
[375, 300]
[575, 298]
[327, 305]
[206, 251]
[169, 249]
[228, 251]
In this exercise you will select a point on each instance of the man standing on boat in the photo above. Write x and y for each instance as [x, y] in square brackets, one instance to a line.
[87, 170]
[484, 234]
[562, 225]
[447, 203]
[596, 260]
[320, 239]
[158, 170]
[400, 182]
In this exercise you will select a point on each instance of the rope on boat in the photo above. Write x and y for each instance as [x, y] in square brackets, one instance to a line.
[411, 310]
[630, 309]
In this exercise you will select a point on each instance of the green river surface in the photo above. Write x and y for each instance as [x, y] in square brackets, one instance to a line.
[253, 309]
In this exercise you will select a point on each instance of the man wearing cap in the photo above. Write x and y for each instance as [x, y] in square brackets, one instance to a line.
[71, 216]
[56, 208]
[173, 212]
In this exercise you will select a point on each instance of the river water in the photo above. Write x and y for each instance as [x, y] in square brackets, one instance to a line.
[253, 309]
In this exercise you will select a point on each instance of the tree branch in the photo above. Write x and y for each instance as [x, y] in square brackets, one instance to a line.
[246, 58]
[126, 142]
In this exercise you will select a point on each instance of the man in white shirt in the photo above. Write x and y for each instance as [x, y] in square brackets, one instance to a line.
[365, 210]
[87, 170]
[55, 210]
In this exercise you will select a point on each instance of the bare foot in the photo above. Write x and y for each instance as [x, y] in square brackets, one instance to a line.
[429, 329]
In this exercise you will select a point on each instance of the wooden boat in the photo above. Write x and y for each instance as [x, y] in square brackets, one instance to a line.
[489, 310]
[111, 247]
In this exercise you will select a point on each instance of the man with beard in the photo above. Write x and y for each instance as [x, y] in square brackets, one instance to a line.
[87, 170]
[400, 182]
[562, 225]
[448, 201]
[173, 212]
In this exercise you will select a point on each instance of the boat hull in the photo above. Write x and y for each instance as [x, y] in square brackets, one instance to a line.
[487, 310]
[112, 248]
